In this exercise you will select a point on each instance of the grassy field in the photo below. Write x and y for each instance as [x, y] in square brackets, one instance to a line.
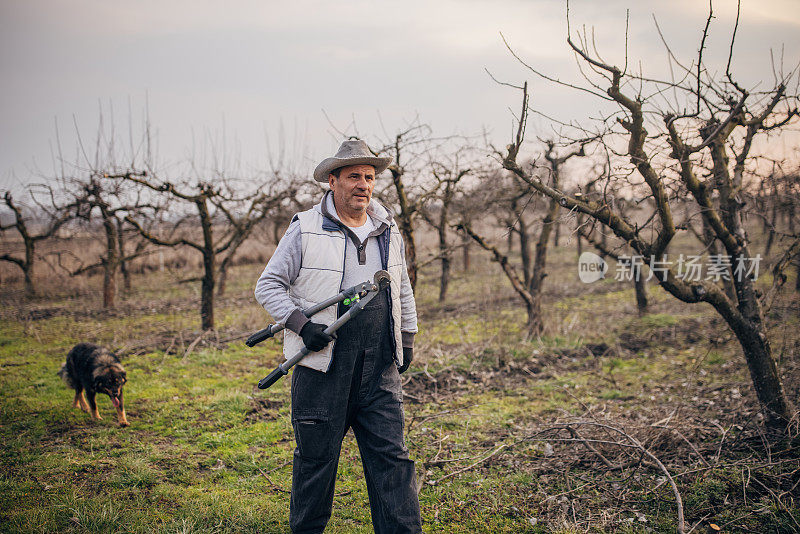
[485, 413]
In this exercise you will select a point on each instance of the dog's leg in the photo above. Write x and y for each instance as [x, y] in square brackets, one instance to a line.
[123, 420]
[79, 401]
[93, 404]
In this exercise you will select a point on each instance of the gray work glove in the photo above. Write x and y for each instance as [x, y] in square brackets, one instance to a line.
[314, 336]
[408, 357]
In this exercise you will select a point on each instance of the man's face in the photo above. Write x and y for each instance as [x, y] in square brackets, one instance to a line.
[352, 190]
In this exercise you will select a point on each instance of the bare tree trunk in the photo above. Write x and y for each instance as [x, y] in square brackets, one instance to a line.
[465, 245]
[763, 370]
[27, 268]
[641, 290]
[715, 248]
[557, 234]
[538, 272]
[535, 324]
[111, 261]
[771, 227]
[207, 293]
[444, 252]
[234, 237]
[525, 251]
[222, 280]
[748, 325]
[209, 256]
[26, 264]
[797, 259]
[405, 222]
[407, 230]
[444, 279]
[797, 280]
[109, 286]
[123, 265]
[450, 180]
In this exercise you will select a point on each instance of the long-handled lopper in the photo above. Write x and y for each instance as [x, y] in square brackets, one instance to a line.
[351, 294]
[359, 296]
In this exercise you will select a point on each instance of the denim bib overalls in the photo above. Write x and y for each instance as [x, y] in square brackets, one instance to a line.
[362, 391]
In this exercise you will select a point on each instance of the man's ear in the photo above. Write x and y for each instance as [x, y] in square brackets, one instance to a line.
[331, 180]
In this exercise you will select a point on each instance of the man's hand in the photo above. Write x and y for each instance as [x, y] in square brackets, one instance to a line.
[314, 336]
[408, 357]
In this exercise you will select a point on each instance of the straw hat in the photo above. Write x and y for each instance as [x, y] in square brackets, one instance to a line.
[352, 152]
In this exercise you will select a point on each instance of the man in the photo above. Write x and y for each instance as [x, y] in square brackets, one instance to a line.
[351, 381]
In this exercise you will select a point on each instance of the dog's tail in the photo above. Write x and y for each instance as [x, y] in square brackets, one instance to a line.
[64, 374]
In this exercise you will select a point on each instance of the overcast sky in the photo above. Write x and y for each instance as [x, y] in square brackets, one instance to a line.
[247, 67]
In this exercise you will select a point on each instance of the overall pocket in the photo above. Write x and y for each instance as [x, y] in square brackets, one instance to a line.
[312, 432]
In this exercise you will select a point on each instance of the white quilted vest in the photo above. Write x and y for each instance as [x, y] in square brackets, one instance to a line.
[320, 277]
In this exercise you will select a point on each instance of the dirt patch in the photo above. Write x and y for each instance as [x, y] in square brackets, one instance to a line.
[42, 313]
[687, 332]
[504, 373]
[262, 409]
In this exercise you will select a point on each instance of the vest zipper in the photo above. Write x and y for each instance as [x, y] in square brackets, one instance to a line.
[341, 281]
[389, 294]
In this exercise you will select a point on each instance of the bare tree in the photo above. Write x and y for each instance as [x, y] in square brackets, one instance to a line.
[467, 207]
[510, 204]
[538, 269]
[123, 233]
[272, 197]
[409, 143]
[54, 217]
[521, 200]
[719, 131]
[106, 199]
[216, 208]
[437, 211]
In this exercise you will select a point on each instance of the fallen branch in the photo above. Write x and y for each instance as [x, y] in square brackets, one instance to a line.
[464, 469]
[271, 483]
[636, 444]
[193, 344]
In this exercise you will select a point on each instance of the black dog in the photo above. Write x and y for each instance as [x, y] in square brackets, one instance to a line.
[96, 370]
